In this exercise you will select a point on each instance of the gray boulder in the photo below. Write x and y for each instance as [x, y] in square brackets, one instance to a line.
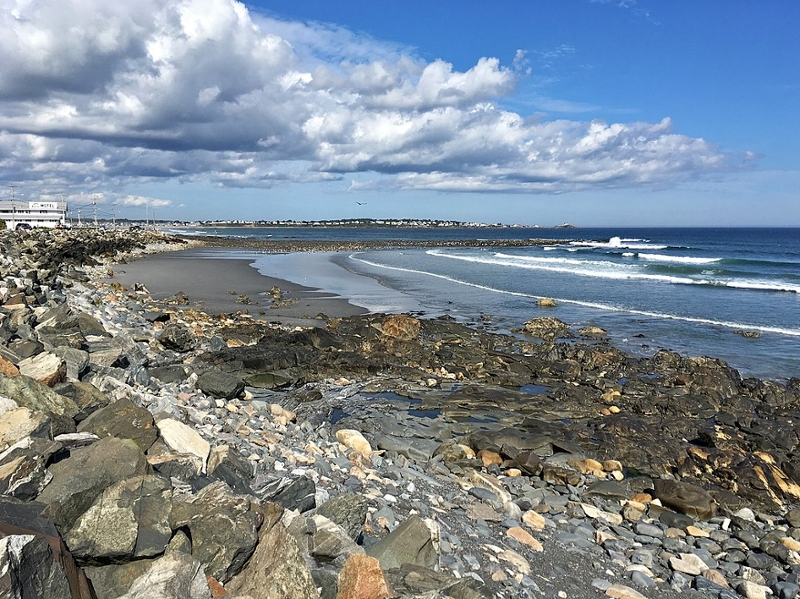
[85, 474]
[409, 543]
[277, 568]
[129, 520]
[23, 468]
[173, 576]
[223, 528]
[176, 337]
[220, 384]
[348, 511]
[86, 396]
[34, 562]
[123, 419]
[37, 397]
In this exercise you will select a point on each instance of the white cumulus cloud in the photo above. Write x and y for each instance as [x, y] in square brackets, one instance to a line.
[96, 95]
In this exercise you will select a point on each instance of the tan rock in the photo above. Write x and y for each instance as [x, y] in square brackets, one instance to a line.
[533, 520]
[524, 537]
[610, 395]
[489, 457]
[751, 590]
[596, 513]
[400, 327]
[184, 439]
[620, 591]
[481, 511]
[694, 531]
[354, 440]
[791, 544]
[8, 368]
[515, 559]
[362, 578]
[642, 498]
[281, 412]
[631, 513]
[612, 465]
[688, 563]
[20, 423]
[716, 577]
[513, 472]
[547, 302]
[46, 368]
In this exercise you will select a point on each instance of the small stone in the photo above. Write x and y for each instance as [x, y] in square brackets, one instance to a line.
[791, 544]
[515, 559]
[620, 591]
[489, 458]
[751, 590]
[715, 577]
[688, 563]
[525, 538]
[697, 532]
[354, 440]
[534, 520]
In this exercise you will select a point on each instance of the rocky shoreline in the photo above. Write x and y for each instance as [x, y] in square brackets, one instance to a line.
[150, 450]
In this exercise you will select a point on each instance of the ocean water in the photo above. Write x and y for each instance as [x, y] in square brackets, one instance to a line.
[690, 290]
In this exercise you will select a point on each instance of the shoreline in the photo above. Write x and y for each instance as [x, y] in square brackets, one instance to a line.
[230, 284]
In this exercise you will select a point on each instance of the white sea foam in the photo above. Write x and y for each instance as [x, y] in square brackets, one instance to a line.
[619, 243]
[677, 259]
[596, 305]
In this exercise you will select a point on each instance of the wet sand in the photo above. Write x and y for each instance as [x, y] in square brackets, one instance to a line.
[214, 285]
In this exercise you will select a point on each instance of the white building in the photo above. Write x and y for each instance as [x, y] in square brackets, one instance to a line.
[34, 214]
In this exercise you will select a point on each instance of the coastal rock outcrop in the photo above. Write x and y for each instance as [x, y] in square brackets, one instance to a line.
[382, 454]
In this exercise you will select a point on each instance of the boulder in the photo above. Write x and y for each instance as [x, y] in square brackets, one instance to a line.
[348, 511]
[546, 327]
[277, 568]
[685, 498]
[123, 419]
[79, 479]
[176, 337]
[227, 464]
[34, 562]
[86, 396]
[328, 541]
[409, 543]
[174, 576]
[46, 368]
[362, 578]
[105, 351]
[172, 373]
[293, 494]
[7, 367]
[23, 467]
[184, 439]
[130, 519]
[20, 423]
[223, 528]
[38, 397]
[77, 361]
[220, 384]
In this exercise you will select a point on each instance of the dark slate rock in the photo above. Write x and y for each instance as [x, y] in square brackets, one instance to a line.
[79, 479]
[173, 373]
[39, 565]
[123, 419]
[227, 464]
[298, 495]
[176, 337]
[348, 511]
[223, 528]
[686, 498]
[409, 543]
[86, 396]
[220, 384]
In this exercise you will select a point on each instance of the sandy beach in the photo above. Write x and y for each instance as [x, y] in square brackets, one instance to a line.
[215, 286]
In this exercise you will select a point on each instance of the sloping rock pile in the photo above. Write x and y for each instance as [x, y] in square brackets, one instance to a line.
[148, 450]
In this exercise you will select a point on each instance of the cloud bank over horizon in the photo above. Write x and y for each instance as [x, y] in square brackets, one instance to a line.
[95, 96]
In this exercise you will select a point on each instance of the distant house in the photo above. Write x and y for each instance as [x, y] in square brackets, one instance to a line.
[19, 214]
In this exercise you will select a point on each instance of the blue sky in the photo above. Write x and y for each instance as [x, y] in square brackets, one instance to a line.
[598, 113]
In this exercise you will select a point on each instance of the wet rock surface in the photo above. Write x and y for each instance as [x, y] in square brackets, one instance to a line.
[177, 454]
